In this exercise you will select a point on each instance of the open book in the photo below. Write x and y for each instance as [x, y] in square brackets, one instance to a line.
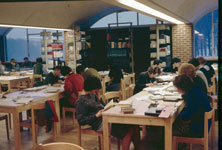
[110, 105]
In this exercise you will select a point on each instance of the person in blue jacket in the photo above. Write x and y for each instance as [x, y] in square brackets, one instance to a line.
[190, 123]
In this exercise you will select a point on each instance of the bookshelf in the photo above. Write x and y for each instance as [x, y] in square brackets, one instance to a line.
[120, 46]
[51, 48]
[160, 42]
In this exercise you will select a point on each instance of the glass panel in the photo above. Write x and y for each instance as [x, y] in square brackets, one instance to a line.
[216, 40]
[103, 22]
[16, 44]
[145, 20]
[216, 16]
[127, 16]
[203, 36]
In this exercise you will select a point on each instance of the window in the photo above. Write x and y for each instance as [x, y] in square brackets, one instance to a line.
[125, 16]
[19, 46]
[206, 35]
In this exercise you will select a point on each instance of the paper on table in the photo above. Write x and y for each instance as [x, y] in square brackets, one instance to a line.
[23, 100]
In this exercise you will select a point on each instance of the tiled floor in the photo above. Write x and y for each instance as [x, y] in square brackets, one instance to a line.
[153, 140]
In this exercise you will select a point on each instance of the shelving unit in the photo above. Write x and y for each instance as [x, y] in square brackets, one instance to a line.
[120, 46]
[52, 49]
[160, 42]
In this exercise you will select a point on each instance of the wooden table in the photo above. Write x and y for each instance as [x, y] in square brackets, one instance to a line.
[114, 115]
[9, 106]
[14, 80]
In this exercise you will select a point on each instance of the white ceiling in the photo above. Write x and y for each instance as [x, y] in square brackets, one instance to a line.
[62, 14]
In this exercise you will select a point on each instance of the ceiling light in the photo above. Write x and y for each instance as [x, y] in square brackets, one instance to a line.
[31, 27]
[200, 34]
[148, 10]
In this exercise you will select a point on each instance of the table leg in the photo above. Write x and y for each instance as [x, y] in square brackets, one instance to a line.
[168, 134]
[16, 128]
[106, 134]
[58, 126]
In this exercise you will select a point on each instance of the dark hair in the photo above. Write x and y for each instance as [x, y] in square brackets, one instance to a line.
[157, 62]
[39, 59]
[92, 83]
[12, 59]
[201, 60]
[80, 69]
[175, 60]
[150, 70]
[65, 70]
[194, 61]
[57, 68]
[26, 58]
[183, 82]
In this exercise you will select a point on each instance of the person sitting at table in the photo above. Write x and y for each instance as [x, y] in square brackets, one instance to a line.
[89, 109]
[144, 79]
[2, 68]
[27, 63]
[39, 68]
[190, 70]
[13, 66]
[207, 69]
[85, 72]
[115, 75]
[157, 65]
[190, 122]
[196, 63]
[73, 85]
[51, 78]
[173, 68]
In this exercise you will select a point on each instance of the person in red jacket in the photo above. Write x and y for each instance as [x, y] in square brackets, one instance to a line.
[74, 84]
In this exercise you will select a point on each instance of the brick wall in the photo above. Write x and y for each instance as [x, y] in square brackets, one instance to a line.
[182, 44]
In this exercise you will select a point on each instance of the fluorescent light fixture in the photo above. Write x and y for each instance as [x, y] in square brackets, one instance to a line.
[148, 10]
[31, 27]
[200, 34]
[196, 32]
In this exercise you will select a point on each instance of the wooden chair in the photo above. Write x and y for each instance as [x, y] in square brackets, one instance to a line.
[126, 82]
[212, 89]
[33, 124]
[5, 117]
[202, 141]
[69, 109]
[105, 80]
[87, 130]
[110, 95]
[59, 146]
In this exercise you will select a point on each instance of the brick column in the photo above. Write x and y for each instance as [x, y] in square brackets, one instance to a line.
[182, 41]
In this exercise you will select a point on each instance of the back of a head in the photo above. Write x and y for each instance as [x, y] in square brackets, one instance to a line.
[194, 61]
[39, 60]
[12, 60]
[201, 60]
[187, 69]
[156, 62]
[151, 70]
[80, 69]
[183, 82]
[175, 60]
[26, 58]
[65, 70]
[92, 83]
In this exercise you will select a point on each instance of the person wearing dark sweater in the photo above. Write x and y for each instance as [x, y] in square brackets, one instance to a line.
[115, 75]
[190, 122]
[144, 79]
[39, 68]
[207, 69]
[190, 70]
[13, 66]
[173, 68]
[27, 63]
[89, 110]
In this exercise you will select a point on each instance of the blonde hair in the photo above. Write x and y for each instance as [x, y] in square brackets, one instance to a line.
[187, 69]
